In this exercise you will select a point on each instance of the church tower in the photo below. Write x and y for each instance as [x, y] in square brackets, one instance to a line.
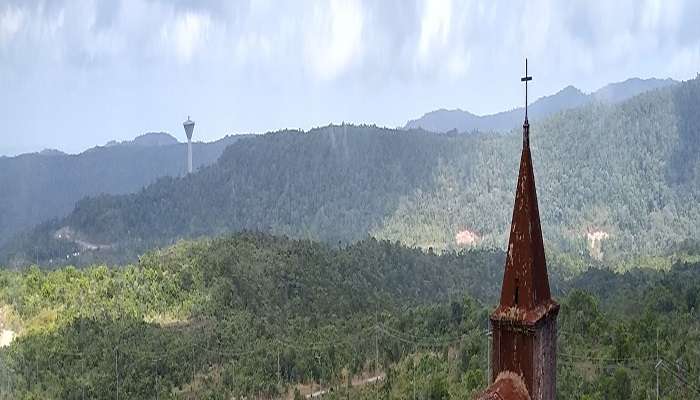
[523, 325]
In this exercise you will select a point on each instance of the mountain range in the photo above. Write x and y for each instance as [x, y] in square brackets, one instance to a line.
[612, 179]
[570, 97]
[45, 185]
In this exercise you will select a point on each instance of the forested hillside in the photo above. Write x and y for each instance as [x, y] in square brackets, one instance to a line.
[257, 316]
[40, 186]
[612, 180]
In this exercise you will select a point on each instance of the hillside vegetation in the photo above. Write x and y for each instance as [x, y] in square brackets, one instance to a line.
[41, 186]
[257, 316]
[628, 173]
[205, 315]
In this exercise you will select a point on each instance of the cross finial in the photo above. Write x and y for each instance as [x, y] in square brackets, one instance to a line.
[525, 79]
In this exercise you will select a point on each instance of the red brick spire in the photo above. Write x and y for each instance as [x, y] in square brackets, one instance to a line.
[525, 287]
[524, 325]
[525, 282]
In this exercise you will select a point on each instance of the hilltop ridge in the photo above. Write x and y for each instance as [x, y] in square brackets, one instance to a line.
[45, 185]
[570, 97]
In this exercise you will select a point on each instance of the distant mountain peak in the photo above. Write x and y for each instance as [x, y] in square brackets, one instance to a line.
[444, 120]
[149, 139]
[570, 89]
[51, 152]
[154, 139]
[620, 91]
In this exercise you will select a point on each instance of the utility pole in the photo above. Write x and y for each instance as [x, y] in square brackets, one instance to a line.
[193, 363]
[658, 363]
[83, 375]
[376, 362]
[279, 374]
[82, 340]
[656, 367]
[4, 390]
[27, 373]
[320, 372]
[157, 383]
[413, 363]
[488, 356]
[116, 369]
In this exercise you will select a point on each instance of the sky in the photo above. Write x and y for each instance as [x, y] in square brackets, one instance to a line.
[79, 73]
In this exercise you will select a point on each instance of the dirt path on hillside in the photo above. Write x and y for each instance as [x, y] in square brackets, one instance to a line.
[355, 383]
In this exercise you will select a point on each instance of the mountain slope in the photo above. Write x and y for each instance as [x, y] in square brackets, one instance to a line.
[567, 98]
[39, 186]
[148, 139]
[335, 183]
[621, 91]
[610, 178]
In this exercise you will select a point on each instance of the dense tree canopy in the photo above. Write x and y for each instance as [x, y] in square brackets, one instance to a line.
[259, 316]
[41, 186]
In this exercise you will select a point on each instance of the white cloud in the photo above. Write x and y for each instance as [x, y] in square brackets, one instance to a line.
[658, 14]
[333, 41]
[186, 34]
[457, 64]
[253, 46]
[442, 49]
[384, 60]
[434, 28]
[11, 20]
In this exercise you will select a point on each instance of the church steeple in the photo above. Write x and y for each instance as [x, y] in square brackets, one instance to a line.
[523, 325]
[525, 281]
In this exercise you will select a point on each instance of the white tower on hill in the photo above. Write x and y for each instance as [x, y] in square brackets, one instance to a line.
[189, 128]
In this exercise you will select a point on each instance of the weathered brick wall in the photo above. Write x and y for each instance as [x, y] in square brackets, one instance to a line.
[512, 349]
[545, 360]
[530, 352]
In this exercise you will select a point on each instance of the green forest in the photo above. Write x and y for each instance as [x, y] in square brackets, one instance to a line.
[257, 316]
[41, 186]
[628, 172]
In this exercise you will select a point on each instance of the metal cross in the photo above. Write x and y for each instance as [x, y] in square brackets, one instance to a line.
[525, 79]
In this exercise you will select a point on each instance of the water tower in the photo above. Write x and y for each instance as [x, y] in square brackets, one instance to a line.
[189, 128]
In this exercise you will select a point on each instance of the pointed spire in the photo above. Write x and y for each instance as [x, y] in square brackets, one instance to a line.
[525, 281]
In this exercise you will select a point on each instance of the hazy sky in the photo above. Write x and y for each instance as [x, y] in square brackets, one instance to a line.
[75, 73]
